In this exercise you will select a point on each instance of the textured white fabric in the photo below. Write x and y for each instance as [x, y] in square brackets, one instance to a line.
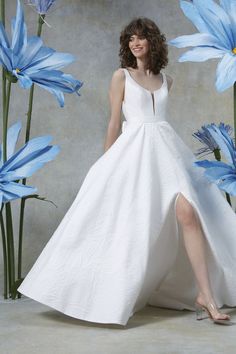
[119, 246]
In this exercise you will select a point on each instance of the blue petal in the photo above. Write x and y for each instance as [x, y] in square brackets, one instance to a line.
[19, 35]
[1, 198]
[217, 21]
[5, 58]
[229, 185]
[217, 165]
[24, 80]
[42, 6]
[196, 39]
[224, 142]
[33, 46]
[54, 61]
[193, 15]
[201, 54]
[28, 152]
[216, 170]
[226, 72]
[13, 190]
[42, 54]
[56, 82]
[12, 137]
[74, 83]
[3, 37]
[55, 91]
[215, 174]
[27, 169]
[230, 8]
[16, 52]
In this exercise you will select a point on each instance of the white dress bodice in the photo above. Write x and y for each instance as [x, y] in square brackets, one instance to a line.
[141, 105]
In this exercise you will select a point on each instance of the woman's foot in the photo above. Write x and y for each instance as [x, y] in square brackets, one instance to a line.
[209, 305]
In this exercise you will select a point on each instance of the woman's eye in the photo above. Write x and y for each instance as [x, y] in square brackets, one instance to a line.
[141, 37]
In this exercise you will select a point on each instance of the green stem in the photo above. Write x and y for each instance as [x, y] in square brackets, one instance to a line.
[218, 158]
[10, 245]
[217, 154]
[5, 119]
[228, 198]
[27, 137]
[40, 25]
[29, 114]
[22, 203]
[19, 268]
[4, 94]
[9, 224]
[4, 247]
[4, 244]
[2, 19]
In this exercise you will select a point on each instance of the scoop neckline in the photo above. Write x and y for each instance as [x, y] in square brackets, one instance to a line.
[151, 92]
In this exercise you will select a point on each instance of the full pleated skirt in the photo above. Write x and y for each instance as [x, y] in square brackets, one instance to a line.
[119, 246]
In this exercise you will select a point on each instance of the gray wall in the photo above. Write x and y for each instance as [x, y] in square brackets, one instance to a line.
[90, 30]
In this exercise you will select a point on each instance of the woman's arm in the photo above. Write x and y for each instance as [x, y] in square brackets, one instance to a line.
[116, 94]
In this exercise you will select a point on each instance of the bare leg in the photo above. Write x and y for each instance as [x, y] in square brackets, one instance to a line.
[194, 242]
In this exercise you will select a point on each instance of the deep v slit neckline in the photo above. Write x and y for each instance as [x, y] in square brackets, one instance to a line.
[151, 92]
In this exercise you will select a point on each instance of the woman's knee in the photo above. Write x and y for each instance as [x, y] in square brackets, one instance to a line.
[185, 212]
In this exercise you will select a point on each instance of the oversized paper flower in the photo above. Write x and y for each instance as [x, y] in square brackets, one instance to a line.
[217, 38]
[23, 163]
[223, 174]
[42, 6]
[30, 62]
[206, 138]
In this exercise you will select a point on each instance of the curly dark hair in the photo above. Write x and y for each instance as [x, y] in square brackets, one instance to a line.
[158, 54]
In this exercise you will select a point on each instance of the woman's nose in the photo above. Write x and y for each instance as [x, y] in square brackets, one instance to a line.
[136, 41]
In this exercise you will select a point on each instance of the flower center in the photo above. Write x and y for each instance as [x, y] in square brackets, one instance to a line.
[234, 50]
[18, 70]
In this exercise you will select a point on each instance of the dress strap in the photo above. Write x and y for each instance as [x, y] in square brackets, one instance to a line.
[164, 77]
[126, 71]
[127, 74]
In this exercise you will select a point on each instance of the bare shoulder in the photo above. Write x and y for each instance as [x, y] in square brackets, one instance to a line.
[169, 80]
[117, 83]
[118, 75]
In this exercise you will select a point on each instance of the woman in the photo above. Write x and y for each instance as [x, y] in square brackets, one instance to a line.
[142, 229]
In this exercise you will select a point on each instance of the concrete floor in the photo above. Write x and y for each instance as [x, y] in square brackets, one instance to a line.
[28, 327]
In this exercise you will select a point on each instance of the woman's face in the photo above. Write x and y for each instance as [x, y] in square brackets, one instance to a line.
[138, 45]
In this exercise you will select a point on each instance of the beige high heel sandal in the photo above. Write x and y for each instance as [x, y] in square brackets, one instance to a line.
[200, 309]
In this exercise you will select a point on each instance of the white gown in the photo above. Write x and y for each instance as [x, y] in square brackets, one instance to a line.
[119, 246]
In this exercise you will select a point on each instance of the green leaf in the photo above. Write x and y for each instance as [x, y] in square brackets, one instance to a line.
[36, 196]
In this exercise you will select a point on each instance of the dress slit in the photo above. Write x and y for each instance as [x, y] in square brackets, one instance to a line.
[153, 103]
[161, 296]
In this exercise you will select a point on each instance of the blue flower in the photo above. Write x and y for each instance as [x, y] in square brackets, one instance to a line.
[223, 174]
[217, 37]
[31, 62]
[206, 138]
[42, 6]
[32, 156]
